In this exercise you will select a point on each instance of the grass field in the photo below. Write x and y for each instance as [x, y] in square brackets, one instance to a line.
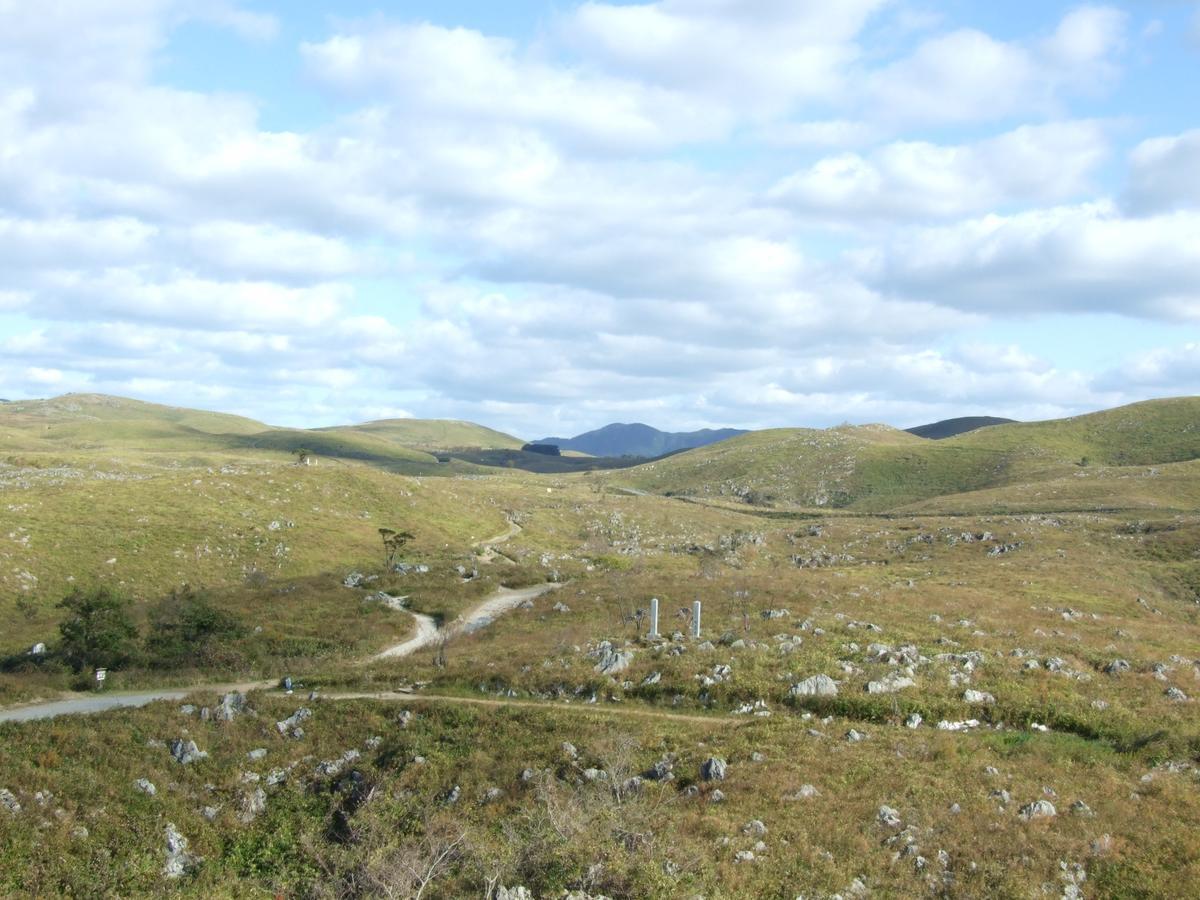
[992, 563]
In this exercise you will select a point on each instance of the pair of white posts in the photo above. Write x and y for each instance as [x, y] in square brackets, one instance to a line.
[654, 618]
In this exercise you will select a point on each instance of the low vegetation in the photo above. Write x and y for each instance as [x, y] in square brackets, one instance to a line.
[973, 673]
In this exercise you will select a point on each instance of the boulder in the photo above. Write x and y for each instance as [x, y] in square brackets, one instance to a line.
[186, 752]
[1038, 809]
[8, 802]
[179, 861]
[145, 786]
[816, 686]
[713, 769]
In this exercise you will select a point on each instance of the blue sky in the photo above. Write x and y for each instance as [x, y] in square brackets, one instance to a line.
[548, 216]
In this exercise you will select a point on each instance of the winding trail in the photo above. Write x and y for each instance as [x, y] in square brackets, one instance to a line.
[478, 617]
[488, 544]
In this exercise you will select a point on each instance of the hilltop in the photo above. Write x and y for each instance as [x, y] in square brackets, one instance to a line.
[640, 440]
[433, 434]
[878, 468]
[951, 427]
[974, 693]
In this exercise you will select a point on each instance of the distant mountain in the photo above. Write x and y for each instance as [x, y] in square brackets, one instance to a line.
[950, 427]
[640, 440]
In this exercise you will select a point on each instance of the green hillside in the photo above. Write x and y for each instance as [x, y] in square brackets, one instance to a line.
[433, 434]
[98, 422]
[875, 468]
[133, 431]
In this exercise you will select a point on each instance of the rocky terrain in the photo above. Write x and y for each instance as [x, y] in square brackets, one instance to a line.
[990, 693]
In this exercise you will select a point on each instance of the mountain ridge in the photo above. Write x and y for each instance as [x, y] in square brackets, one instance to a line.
[639, 439]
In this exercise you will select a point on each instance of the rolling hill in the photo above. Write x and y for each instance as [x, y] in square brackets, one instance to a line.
[878, 468]
[432, 434]
[950, 427]
[640, 440]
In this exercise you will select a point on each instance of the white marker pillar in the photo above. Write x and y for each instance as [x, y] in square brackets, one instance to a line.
[653, 617]
[696, 619]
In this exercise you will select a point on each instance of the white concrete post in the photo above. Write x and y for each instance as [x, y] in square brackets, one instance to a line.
[653, 617]
[696, 619]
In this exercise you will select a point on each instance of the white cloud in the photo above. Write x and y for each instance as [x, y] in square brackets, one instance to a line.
[1165, 174]
[968, 76]
[444, 73]
[757, 57]
[909, 180]
[1085, 258]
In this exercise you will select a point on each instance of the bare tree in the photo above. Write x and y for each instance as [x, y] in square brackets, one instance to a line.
[393, 542]
[408, 871]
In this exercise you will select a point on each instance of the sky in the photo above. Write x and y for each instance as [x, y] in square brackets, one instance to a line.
[548, 216]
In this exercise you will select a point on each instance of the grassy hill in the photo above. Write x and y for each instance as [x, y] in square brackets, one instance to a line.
[877, 468]
[432, 434]
[950, 427]
[131, 430]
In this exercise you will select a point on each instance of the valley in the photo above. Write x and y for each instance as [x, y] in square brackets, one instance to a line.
[965, 667]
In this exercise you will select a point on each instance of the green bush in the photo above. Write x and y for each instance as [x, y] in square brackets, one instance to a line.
[98, 632]
[187, 630]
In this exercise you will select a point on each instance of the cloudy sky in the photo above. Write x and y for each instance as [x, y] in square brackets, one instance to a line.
[545, 216]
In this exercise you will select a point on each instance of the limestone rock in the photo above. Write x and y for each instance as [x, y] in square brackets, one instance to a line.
[816, 686]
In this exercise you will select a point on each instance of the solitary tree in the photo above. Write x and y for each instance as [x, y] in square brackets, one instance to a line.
[98, 631]
[302, 454]
[393, 542]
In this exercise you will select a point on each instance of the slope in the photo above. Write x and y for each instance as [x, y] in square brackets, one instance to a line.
[937, 431]
[640, 440]
[874, 468]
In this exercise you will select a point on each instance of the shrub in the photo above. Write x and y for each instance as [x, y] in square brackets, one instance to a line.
[98, 632]
[186, 629]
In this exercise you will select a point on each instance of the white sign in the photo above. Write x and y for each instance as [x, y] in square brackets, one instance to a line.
[101, 674]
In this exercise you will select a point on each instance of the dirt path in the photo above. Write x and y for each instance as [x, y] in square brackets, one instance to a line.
[480, 616]
[488, 545]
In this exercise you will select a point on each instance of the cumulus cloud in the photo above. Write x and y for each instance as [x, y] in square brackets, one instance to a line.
[1165, 174]
[1085, 258]
[696, 212]
[967, 75]
[915, 179]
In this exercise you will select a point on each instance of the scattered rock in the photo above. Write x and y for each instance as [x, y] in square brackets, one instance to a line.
[888, 817]
[1174, 693]
[8, 802]
[186, 752]
[232, 705]
[854, 736]
[253, 805]
[716, 796]
[1038, 809]
[816, 686]
[290, 727]
[978, 697]
[806, 792]
[1116, 667]
[610, 660]
[713, 769]
[257, 754]
[179, 861]
[913, 721]
[145, 786]
[890, 684]
[754, 827]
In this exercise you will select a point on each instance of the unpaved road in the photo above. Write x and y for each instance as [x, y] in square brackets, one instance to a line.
[478, 617]
[94, 703]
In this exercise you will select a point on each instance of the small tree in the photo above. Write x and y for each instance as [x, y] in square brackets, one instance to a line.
[393, 543]
[302, 455]
[187, 629]
[98, 631]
